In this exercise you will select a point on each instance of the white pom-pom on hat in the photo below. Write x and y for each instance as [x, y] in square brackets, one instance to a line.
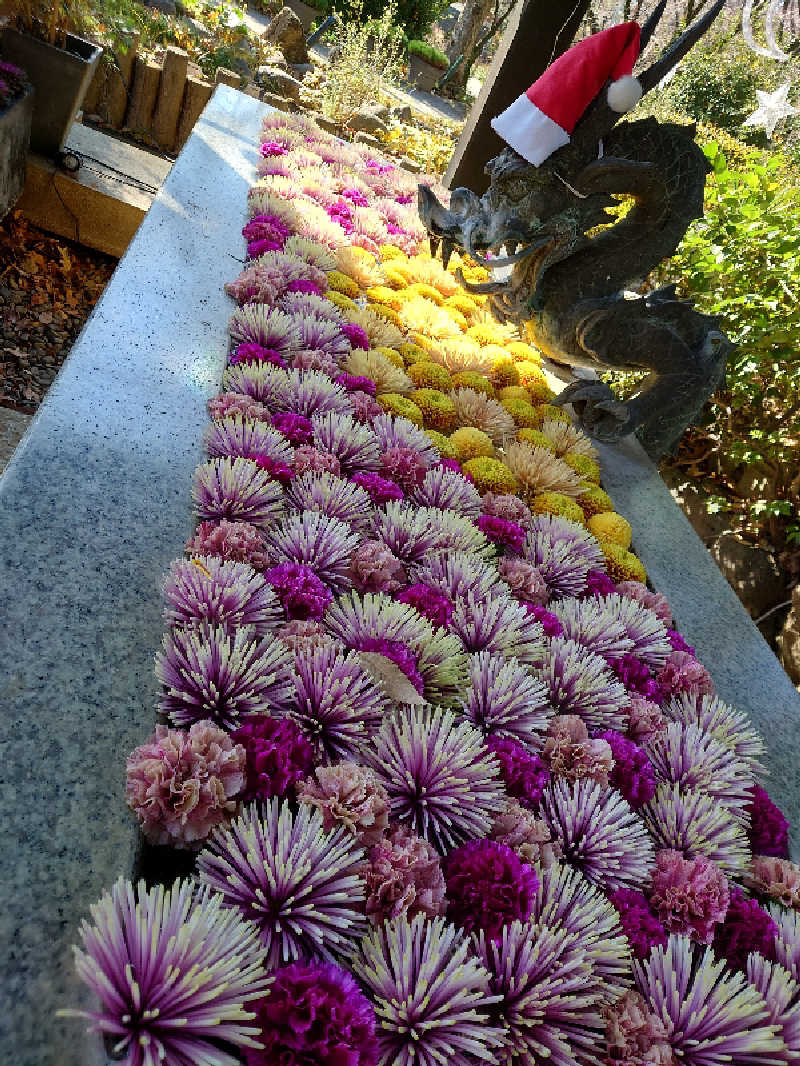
[624, 93]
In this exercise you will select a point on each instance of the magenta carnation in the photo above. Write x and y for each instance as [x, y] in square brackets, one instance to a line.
[404, 877]
[398, 653]
[296, 428]
[314, 1013]
[299, 589]
[642, 928]
[500, 531]
[281, 471]
[633, 772]
[677, 642]
[746, 927]
[254, 353]
[430, 602]
[374, 568]
[690, 896]
[405, 467]
[278, 755]
[380, 489]
[488, 886]
[768, 828]
[598, 584]
[549, 622]
[636, 678]
[524, 774]
[272, 148]
[356, 383]
[305, 286]
[356, 335]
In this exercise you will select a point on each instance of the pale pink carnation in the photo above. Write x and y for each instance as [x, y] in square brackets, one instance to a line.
[682, 672]
[644, 719]
[570, 753]
[634, 1035]
[316, 460]
[524, 579]
[365, 407]
[635, 590]
[350, 795]
[519, 829]
[374, 568]
[315, 359]
[404, 877]
[689, 895]
[239, 541]
[304, 636]
[181, 784]
[236, 403]
[777, 878]
[506, 506]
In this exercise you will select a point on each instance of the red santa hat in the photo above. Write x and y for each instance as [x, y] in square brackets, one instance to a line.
[542, 119]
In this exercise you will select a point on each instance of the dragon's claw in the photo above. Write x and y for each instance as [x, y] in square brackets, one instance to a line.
[600, 413]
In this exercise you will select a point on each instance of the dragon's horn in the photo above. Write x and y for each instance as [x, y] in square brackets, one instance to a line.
[649, 27]
[673, 55]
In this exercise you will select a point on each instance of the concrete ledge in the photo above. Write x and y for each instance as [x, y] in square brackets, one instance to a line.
[709, 614]
[94, 505]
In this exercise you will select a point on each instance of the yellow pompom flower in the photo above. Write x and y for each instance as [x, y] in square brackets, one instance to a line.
[611, 526]
[438, 410]
[484, 333]
[388, 252]
[428, 375]
[443, 443]
[382, 294]
[558, 504]
[622, 565]
[522, 412]
[338, 299]
[513, 392]
[582, 464]
[540, 393]
[394, 404]
[341, 283]
[504, 374]
[520, 351]
[413, 353]
[419, 340]
[463, 302]
[395, 278]
[471, 443]
[528, 371]
[595, 501]
[392, 355]
[428, 292]
[536, 438]
[490, 475]
[387, 313]
[456, 316]
[472, 379]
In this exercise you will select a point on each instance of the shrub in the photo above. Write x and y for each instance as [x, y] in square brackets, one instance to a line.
[429, 53]
[414, 16]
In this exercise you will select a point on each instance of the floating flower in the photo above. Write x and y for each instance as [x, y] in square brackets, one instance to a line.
[459, 574]
[301, 886]
[690, 896]
[174, 973]
[579, 682]
[636, 678]
[441, 779]
[538, 471]
[768, 830]
[642, 928]
[266, 327]
[312, 539]
[300, 591]
[431, 994]
[695, 824]
[488, 887]
[595, 624]
[350, 795]
[301, 637]
[239, 541]
[598, 833]
[365, 408]
[563, 552]
[262, 382]
[208, 673]
[414, 533]
[479, 412]
[236, 489]
[506, 701]
[405, 467]
[654, 601]
[395, 432]
[732, 728]
[381, 490]
[645, 719]
[308, 460]
[430, 603]
[256, 353]
[308, 393]
[296, 428]
[229, 404]
[278, 754]
[787, 940]
[334, 497]
[745, 928]
[373, 568]
[682, 673]
[781, 994]
[404, 877]
[632, 774]
[693, 759]
[524, 774]
[222, 592]
[777, 879]
[519, 829]
[504, 534]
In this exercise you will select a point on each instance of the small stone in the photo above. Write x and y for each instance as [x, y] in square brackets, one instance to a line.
[285, 32]
[366, 122]
[280, 103]
[368, 139]
[278, 82]
[403, 114]
[300, 70]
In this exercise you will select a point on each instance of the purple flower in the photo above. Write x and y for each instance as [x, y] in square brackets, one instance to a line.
[505, 701]
[398, 653]
[380, 489]
[236, 489]
[405, 466]
[305, 286]
[503, 533]
[488, 887]
[642, 928]
[404, 877]
[308, 460]
[690, 896]
[373, 568]
[524, 774]
[266, 227]
[769, 829]
[548, 621]
[356, 335]
[678, 643]
[745, 928]
[296, 428]
[356, 196]
[633, 773]
[248, 352]
[598, 583]
[430, 602]
[282, 472]
[636, 678]
[314, 1013]
[356, 383]
[227, 593]
[313, 539]
[454, 465]
[299, 589]
[272, 148]
[579, 682]
[278, 755]
[261, 245]
[683, 672]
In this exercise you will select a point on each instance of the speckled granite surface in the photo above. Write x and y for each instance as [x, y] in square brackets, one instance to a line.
[710, 616]
[93, 507]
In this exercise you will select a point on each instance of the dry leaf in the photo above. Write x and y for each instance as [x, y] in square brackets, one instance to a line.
[392, 679]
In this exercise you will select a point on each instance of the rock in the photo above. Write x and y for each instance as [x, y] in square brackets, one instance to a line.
[278, 82]
[368, 139]
[280, 103]
[300, 70]
[227, 77]
[275, 58]
[200, 30]
[365, 122]
[751, 572]
[403, 114]
[166, 7]
[285, 32]
[324, 123]
[380, 111]
[789, 639]
[410, 165]
[242, 68]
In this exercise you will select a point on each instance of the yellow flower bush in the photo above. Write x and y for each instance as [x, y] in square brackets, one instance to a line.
[339, 282]
[523, 413]
[338, 299]
[429, 375]
[389, 253]
[471, 379]
[504, 374]
[443, 443]
[428, 292]
[583, 465]
[392, 355]
[537, 439]
[522, 352]
[382, 294]
[540, 393]
[387, 313]
[622, 565]
[595, 501]
[438, 410]
[414, 353]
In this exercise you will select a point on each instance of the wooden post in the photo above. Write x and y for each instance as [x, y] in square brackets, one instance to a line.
[170, 96]
[537, 32]
[121, 82]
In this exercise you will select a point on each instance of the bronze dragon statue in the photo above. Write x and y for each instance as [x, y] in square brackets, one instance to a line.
[570, 285]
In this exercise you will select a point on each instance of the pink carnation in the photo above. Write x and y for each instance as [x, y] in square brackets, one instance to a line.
[365, 407]
[777, 878]
[404, 877]
[315, 359]
[350, 795]
[506, 506]
[571, 754]
[682, 672]
[239, 541]
[635, 590]
[316, 460]
[375, 568]
[689, 895]
[634, 1035]
[524, 579]
[405, 467]
[180, 784]
[527, 835]
[235, 403]
[644, 718]
[302, 636]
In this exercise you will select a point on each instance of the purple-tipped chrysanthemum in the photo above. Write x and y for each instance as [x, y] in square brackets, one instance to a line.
[694, 823]
[633, 773]
[236, 489]
[174, 971]
[787, 939]
[300, 591]
[309, 393]
[278, 754]
[449, 491]
[524, 774]
[781, 994]
[488, 887]
[318, 331]
[314, 540]
[225, 593]
[499, 625]
[354, 445]
[505, 700]
[395, 432]
[746, 928]
[314, 1012]
[579, 682]
[639, 922]
[691, 758]
[598, 833]
[441, 779]
[208, 673]
[262, 382]
[235, 435]
[338, 703]
[768, 829]
[563, 552]
[430, 993]
[711, 1015]
[300, 305]
[593, 624]
[302, 887]
[265, 326]
[643, 627]
[406, 530]
[550, 1007]
[724, 723]
[334, 497]
[459, 574]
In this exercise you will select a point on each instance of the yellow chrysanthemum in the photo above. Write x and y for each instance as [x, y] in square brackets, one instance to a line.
[392, 355]
[622, 565]
[487, 334]
[394, 404]
[471, 379]
[522, 412]
[611, 526]
[475, 409]
[443, 443]
[387, 313]
[558, 504]
[520, 351]
[342, 283]
[551, 413]
[394, 277]
[419, 340]
[463, 302]
[581, 464]
[389, 252]
[513, 392]
[438, 410]
[359, 265]
[382, 294]
[413, 353]
[471, 443]
[371, 364]
[312, 251]
[338, 299]
[528, 371]
[539, 391]
[595, 501]
[460, 354]
[504, 374]
[456, 316]
[490, 475]
[536, 438]
[428, 271]
[423, 316]
[428, 375]
[427, 292]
